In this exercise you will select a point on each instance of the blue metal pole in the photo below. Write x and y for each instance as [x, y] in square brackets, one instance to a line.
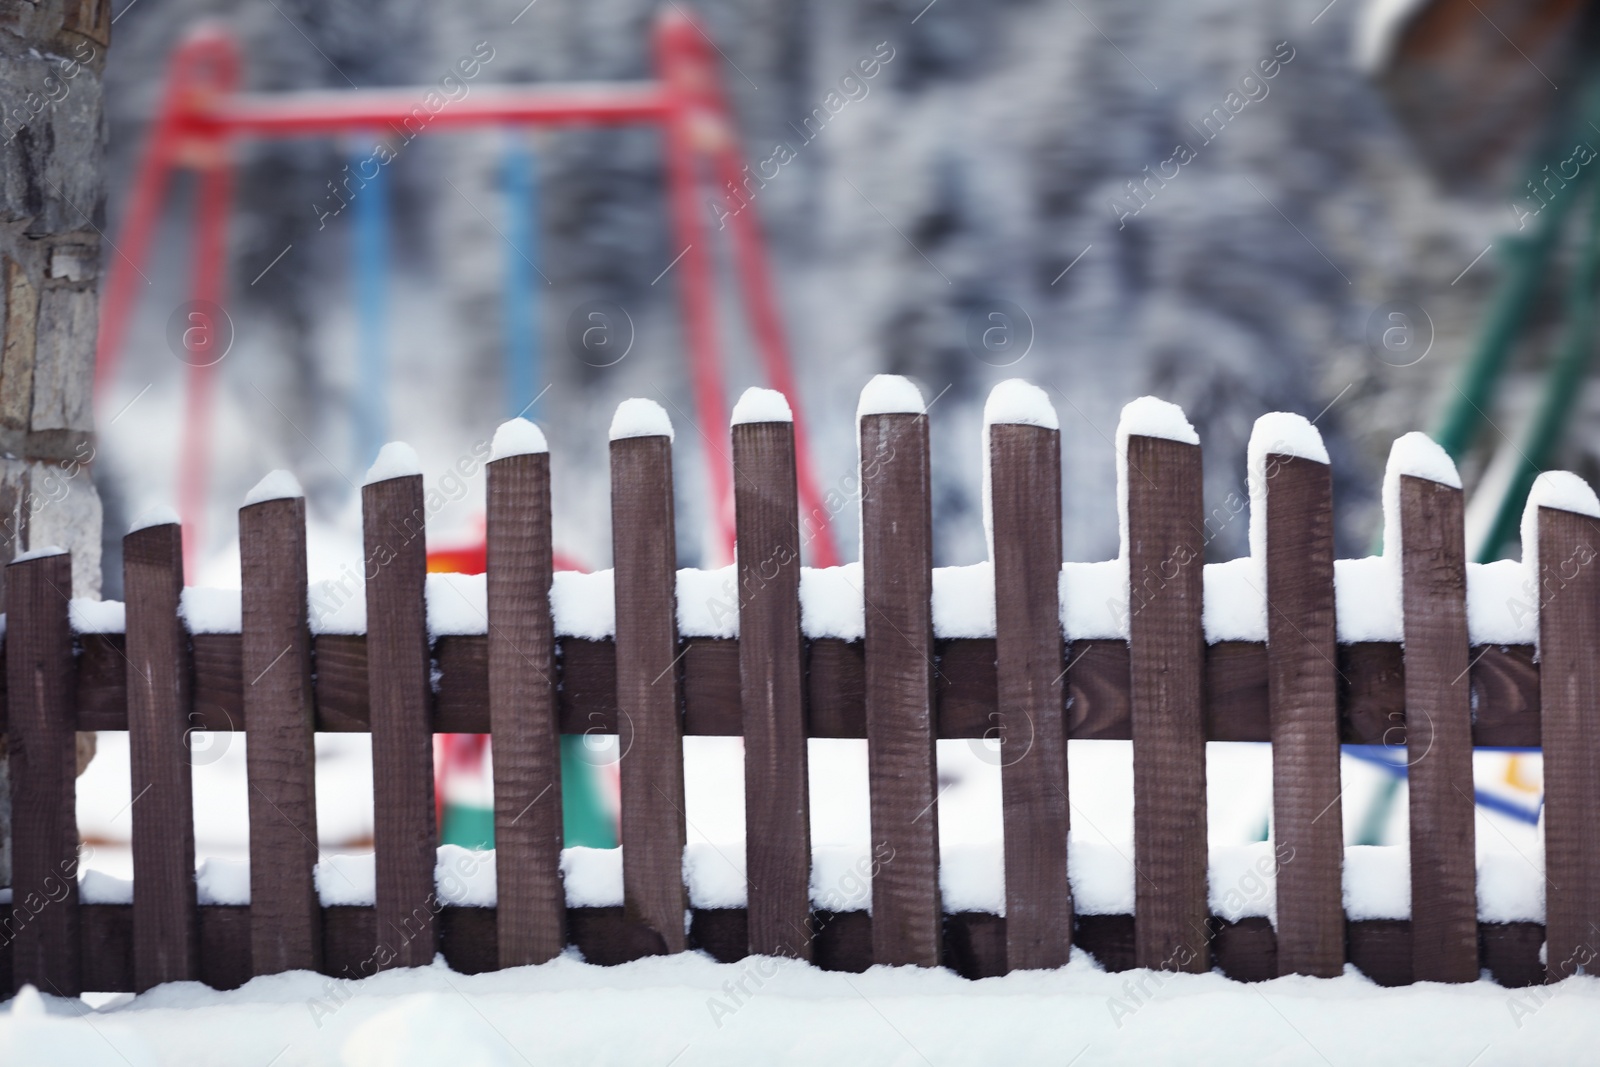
[521, 305]
[371, 264]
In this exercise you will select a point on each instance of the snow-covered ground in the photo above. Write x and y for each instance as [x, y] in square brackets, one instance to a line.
[684, 1010]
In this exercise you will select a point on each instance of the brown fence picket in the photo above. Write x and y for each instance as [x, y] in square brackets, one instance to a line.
[166, 928]
[897, 559]
[1025, 481]
[280, 756]
[1302, 695]
[771, 689]
[1166, 657]
[644, 549]
[522, 713]
[404, 834]
[1444, 903]
[1569, 677]
[44, 830]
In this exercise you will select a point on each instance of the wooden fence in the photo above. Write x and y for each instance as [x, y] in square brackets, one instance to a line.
[1163, 687]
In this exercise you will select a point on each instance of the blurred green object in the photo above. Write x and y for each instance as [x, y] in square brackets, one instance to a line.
[1526, 260]
[587, 817]
[585, 814]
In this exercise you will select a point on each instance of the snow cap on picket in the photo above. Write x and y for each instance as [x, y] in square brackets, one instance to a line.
[761, 405]
[395, 460]
[278, 485]
[1561, 491]
[39, 553]
[640, 417]
[1148, 416]
[1277, 433]
[890, 394]
[1013, 402]
[517, 437]
[1415, 455]
[1016, 402]
[160, 515]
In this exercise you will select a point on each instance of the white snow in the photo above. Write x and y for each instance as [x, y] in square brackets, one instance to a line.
[90, 616]
[1094, 600]
[160, 515]
[457, 604]
[1561, 491]
[1012, 402]
[219, 880]
[831, 602]
[1241, 879]
[890, 394]
[1020, 402]
[963, 601]
[1366, 599]
[1379, 25]
[708, 602]
[39, 553]
[780, 1011]
[1278, 433]
[1235, 606]
[517, 437]
[761, 405]
[584, 605]
[1145, 417]
[338, 605]
[1415, 455]
[277, 485]
[209, 610]
[1150, 416]
[395, 460]
[1502, 609]
[640, 417]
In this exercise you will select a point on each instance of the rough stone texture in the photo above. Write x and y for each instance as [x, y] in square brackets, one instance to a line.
[52, 208]
[51, 214]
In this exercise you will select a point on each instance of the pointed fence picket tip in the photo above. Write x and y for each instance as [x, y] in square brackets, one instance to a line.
[1415, 455]
[1277, 433]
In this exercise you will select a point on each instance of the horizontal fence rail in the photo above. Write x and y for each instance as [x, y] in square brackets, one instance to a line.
[900, 680]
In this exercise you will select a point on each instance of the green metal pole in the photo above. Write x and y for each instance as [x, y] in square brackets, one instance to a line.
[1524, 257]
[1561, 390]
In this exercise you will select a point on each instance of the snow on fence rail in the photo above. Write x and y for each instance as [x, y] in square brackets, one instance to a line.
[1414, 649]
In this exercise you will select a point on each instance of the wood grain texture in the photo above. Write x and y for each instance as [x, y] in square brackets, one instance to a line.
[281, 759]
[772, 691]
[1303, 695]
[1025, 481]
[166, 930]
[522, 713]
[1438, 696]
[42, 921]
[1504, 681]
[1569, 647]
[644, 548]
[897, 559]
[1166, 664]
[404, 835]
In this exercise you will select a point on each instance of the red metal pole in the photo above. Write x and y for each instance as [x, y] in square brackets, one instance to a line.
[212, 331]
[762, 308]
[685, 131]
[209, 332]
[195, 63]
